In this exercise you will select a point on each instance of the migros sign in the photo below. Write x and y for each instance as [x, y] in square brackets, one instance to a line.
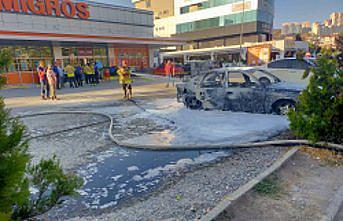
[58, 8]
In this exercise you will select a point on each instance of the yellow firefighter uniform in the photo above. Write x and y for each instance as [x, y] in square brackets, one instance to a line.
[124, 76]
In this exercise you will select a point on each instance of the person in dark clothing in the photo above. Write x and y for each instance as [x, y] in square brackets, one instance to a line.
[57, 74]
[43, 81]
[78, 76]
[96, 73]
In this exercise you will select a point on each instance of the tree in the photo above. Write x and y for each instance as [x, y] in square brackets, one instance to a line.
[13, 156]
[319, 114]
[339, 42]
[5, 58]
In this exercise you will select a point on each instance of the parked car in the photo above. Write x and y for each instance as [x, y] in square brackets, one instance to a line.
[292, 63]
[291, 69]
[251, 90]
[160, 70]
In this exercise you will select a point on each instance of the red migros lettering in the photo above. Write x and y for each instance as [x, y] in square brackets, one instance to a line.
[68, 8]
[58, 8]
[37, 7]
[82, 9]
[53, 5]
[24, 6]
[9, 5]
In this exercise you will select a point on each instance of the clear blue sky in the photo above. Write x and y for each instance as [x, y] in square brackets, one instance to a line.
[305, 10]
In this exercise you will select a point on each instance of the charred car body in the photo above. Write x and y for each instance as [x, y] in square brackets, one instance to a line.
[250, 90]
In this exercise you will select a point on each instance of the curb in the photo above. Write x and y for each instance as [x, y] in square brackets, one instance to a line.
[334, 206]
[231, 198]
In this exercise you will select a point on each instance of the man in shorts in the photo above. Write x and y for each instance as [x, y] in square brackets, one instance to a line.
[125, 80]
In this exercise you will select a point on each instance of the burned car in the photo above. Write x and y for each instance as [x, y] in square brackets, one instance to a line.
[249, 90]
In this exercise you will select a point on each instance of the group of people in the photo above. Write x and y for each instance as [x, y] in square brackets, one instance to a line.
[89, 73]
[51, 78]
[49, 81]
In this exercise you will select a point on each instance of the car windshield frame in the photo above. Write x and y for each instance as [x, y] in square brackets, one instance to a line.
[247, 73]
[208, 84]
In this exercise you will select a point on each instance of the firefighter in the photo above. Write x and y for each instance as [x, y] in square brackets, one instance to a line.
[125, 80]
[88, 73]
[71, 75]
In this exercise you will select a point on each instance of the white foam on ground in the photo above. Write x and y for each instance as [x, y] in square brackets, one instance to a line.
[132, 168]
[207, 127]
[181, 164]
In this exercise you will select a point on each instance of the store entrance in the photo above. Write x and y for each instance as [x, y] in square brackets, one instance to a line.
[83, 56]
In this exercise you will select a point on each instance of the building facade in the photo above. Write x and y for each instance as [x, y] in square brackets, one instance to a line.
[74, 32]
[213, 23]
[161, 9]
[330, 27]
[337, 18]
[293, 28]
[210, 23]
[164, 19]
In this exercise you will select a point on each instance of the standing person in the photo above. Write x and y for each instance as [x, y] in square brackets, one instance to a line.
[125, 80]
[169, 70]
[96, 73]
[78, 76]
[92, 75]
[71, 75]
[52, 80]
[42, 81]
[57, 73]
[88, 73]
[60, 78]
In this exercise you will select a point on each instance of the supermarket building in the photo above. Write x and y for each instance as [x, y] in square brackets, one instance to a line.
[75, 32]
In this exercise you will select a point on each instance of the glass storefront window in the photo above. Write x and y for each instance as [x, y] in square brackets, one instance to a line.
[34, 53]
[82, 55]
[28, 58]
[65, 51]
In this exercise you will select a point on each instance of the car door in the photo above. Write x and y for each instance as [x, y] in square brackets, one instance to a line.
[244, 93]
[212, 90]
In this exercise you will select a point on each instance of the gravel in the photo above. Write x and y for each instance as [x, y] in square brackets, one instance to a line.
[187, 195]
[45, 124]
[191, 195]
[73, 147]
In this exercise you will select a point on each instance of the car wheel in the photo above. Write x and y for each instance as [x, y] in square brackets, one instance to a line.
[193, 103]
[283, 107]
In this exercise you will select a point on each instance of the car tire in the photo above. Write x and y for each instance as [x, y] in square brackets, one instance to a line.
[283, 107]
[192, 103]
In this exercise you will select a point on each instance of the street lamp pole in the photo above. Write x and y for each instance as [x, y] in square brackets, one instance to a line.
[241, 35]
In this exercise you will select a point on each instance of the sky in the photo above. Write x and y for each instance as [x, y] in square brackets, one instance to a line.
[291, 10]
[305, 10]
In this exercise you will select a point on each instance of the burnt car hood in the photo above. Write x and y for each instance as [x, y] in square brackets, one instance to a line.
[286, 86]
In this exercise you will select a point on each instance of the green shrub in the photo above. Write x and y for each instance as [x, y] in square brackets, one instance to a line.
[51, 184]
[319, 114]
[270, 187]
